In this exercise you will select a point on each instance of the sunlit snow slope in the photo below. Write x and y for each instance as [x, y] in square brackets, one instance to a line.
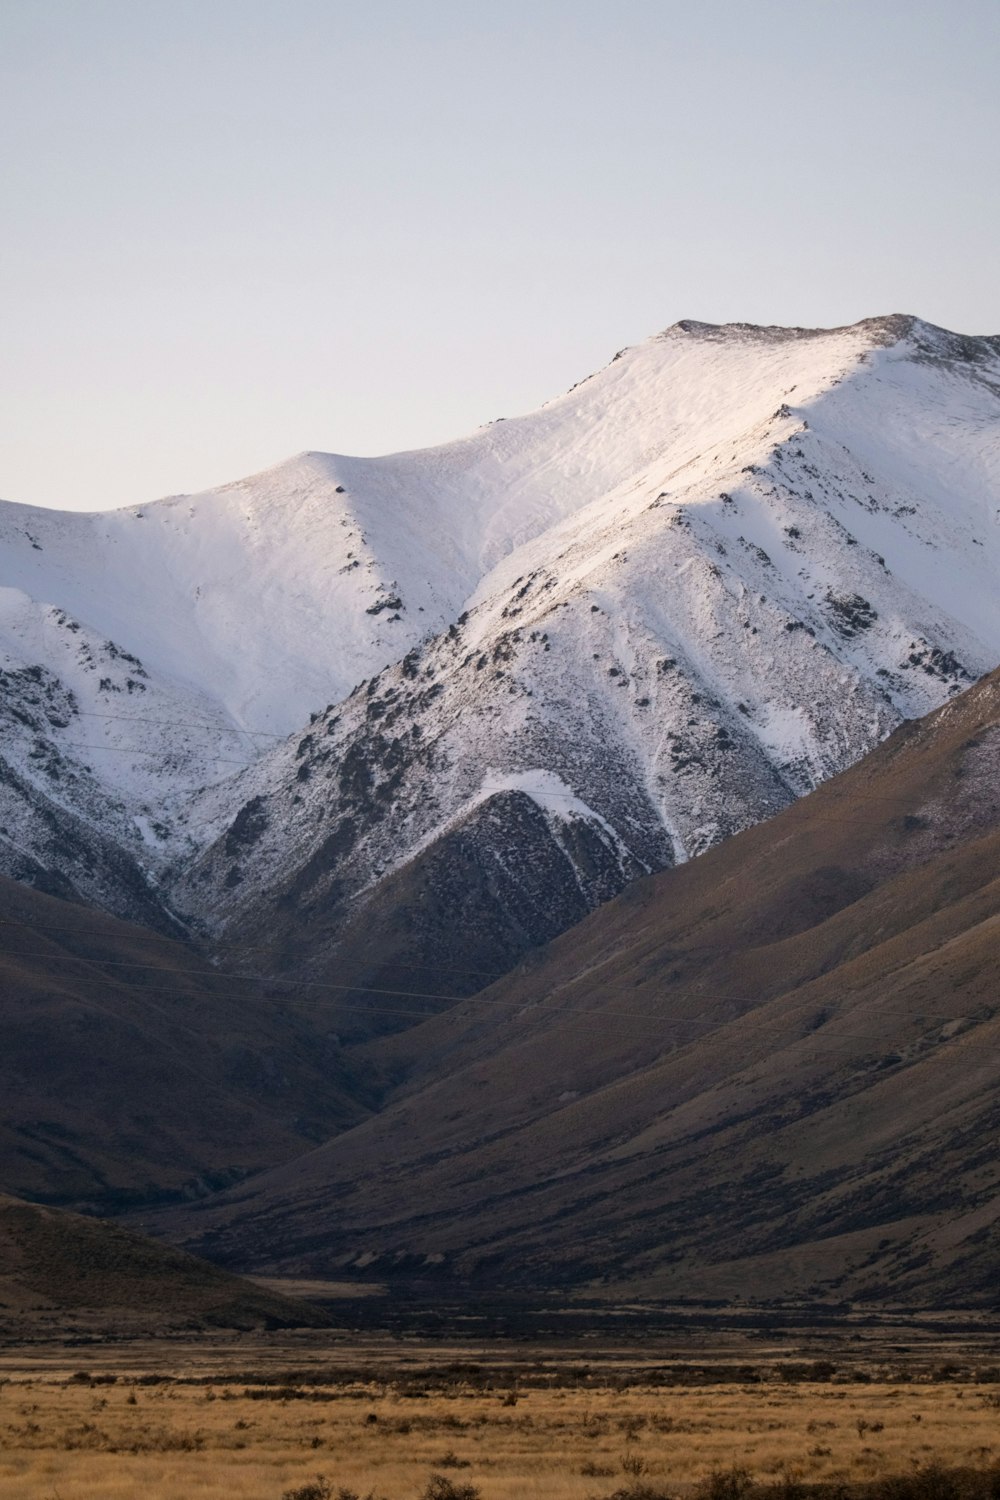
[594, 639]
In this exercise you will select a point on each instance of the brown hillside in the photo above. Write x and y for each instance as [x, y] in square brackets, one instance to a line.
[60, 1272]
[771, 1072]
[129, 1071]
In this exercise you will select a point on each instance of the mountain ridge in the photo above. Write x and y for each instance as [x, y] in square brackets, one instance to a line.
[612, 632]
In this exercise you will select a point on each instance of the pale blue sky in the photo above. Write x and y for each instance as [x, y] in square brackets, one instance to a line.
[234, 229]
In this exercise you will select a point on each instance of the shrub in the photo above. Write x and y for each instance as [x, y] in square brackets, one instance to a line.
[932, 1483]
[319, 1488]
[640, 1492]
[440, 1487]
[726, 1484]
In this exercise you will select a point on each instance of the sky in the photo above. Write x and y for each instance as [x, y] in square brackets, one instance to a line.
[237, 229]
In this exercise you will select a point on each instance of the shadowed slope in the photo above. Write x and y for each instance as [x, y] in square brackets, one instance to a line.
[772, 1071]
[130, 1071]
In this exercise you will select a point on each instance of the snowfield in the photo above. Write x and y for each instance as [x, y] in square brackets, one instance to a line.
[602, 636]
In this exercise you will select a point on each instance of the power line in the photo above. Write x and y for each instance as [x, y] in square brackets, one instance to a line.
[88, 713]
[751, 1006]
[452, 1001]
[568, 796]
[149, 935]
[825, 785]
[263, 979]
[591, 1023]
[673, 956]
[228, 760]
[674, 953]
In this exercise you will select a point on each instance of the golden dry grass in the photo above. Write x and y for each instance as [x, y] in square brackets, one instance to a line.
[64, 1440]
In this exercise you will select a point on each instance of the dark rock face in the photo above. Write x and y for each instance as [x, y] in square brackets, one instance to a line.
[502, 882]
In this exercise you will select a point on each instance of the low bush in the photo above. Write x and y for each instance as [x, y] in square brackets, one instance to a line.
[726, 1484]
[440, 1487]
[320, 1488]
[640, 1492]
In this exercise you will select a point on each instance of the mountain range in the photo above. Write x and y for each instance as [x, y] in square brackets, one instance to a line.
[660, 706]
[436, 707]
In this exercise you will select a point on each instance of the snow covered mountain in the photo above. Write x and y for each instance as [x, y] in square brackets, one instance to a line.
[432, 708]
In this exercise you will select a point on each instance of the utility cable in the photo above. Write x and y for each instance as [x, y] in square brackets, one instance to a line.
[749, 1009]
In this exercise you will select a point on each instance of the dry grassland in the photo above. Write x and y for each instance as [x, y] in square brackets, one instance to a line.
[65, 1438]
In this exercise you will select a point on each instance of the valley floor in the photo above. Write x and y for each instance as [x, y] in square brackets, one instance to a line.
[576, 1419]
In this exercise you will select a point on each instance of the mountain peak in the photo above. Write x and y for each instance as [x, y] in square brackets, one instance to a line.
[888, 329]
[881, 331]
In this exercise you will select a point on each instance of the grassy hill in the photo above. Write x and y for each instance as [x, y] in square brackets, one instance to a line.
[60, 1272]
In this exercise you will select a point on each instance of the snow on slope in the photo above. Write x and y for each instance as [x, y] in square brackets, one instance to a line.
[263, 595]
[689, 651]
[691, 587]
